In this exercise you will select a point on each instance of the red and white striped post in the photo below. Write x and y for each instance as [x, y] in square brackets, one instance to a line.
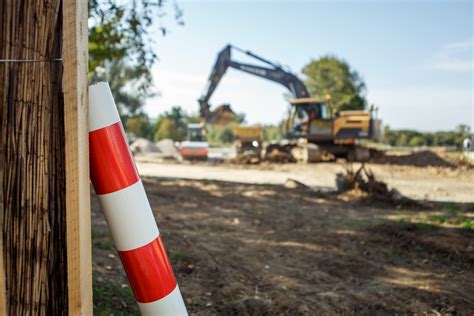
[127, 210]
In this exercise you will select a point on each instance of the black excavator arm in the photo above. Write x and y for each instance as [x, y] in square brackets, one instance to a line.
[276, 74]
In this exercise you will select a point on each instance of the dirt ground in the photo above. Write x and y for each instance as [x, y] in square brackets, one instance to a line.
[431, 183]
[262, 249]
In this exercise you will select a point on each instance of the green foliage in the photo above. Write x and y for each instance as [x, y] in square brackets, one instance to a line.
[468, 224]
[415, 138]
[121, 35]
[178, 256]
[218, 135]
[130, 86]
[139, 126]
[110, 298]
[168, 129]
[227, 136]
[416, 141]
[274, 132]
[172, 124]
[334, 77]
[240, 118]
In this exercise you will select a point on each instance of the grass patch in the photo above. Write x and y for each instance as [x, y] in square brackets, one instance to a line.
[468, 224]
[104, 244]
[113, 299]
[452, 215]
[99, 233]
[179, 256]
[453, 220]
[453, 208]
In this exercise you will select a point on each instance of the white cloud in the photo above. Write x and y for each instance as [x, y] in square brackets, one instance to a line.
[456, 57]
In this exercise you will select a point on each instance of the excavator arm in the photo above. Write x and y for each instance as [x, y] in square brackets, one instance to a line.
[276, 74]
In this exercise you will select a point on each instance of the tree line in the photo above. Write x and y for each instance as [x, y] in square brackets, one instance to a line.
[121, 37]
[412, 138]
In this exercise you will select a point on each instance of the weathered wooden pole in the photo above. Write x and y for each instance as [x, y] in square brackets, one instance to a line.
[45, 265]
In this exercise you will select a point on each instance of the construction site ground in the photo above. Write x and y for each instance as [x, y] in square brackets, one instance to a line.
[243, 243]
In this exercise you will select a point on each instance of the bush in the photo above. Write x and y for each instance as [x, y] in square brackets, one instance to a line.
[168, 129]
[139, 126]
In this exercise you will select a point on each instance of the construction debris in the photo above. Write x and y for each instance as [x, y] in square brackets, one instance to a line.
[274, 154]
[364, 183]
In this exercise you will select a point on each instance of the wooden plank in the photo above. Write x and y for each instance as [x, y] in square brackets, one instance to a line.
[78, 227]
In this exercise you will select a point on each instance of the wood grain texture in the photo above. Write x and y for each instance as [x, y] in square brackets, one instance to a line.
[32, 166]
[75, 52]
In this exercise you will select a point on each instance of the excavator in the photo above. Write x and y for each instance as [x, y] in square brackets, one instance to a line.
[314, 130]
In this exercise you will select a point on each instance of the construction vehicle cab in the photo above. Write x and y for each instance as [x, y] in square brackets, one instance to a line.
[195, 146]
[310, 118]
[314, 119]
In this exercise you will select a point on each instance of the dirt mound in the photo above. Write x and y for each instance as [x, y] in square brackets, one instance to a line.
[424, 158]
[222, 115]
[167, 147]
[144, 146]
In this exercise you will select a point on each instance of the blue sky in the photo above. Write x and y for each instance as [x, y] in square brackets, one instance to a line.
[416, 57]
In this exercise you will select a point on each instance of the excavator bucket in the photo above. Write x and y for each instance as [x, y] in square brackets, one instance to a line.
[222, 115]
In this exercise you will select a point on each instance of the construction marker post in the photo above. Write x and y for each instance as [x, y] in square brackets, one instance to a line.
[127, 210]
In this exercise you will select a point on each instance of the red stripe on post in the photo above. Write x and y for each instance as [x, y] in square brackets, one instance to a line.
[149, 271]
[112, 166]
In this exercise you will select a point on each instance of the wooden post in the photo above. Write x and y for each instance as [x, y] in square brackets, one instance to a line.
[78, 226]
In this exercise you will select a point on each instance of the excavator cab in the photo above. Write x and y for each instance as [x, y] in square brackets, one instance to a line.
[310, 118]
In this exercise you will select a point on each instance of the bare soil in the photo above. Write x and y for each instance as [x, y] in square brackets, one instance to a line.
[253, 249]
[421, 183]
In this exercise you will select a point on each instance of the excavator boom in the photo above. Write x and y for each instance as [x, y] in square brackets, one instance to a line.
[275, 74]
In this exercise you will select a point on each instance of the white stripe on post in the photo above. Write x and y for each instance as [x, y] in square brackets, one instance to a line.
[169, 306]
[103, 113]
[129, 217]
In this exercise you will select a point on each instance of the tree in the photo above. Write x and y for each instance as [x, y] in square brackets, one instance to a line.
[139, 126]
[227, 135]
[121, 35]
[416, 141]
[180, 120]
[168, 129]
[330, 76]
[130, 86]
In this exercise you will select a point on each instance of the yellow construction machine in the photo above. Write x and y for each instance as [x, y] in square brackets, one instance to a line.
[313, 130]
[248, 141]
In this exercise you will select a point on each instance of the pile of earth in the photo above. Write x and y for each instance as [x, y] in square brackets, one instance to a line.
[165, 148]
[168, 148]
[144, 146]
[423, 158]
